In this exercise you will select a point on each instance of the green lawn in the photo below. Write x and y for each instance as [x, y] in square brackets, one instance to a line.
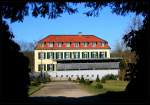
[110, 85]
[33, 89]
[115, 85]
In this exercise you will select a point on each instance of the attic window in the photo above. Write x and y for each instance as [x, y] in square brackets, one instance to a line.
[85, 44]
[94, 44]
[42, 44]
[50, 44]
[102, 43]
[68, 44]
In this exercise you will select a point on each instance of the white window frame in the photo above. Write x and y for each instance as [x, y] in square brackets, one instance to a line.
[76, 44]
[59, 44]
[68, 44]
[50, 44]
[85, 44]
[94, 44]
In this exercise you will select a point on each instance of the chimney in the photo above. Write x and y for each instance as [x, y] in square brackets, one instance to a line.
[79, 33]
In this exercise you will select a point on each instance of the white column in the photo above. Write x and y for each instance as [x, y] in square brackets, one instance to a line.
[89, 54]
[54, 55]
[80, 55]
[108, 53]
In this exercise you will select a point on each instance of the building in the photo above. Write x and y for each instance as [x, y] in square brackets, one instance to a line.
[64, 56]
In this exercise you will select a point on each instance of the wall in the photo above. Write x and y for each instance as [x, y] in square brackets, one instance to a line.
[49, 61]
[101, 73]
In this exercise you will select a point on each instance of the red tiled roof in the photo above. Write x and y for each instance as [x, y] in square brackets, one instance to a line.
[73, 38]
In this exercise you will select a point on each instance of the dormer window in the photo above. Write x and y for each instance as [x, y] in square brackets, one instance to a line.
[68, 44]
[76, 44]
[59, 44]
[94, 44]
[50, 44]
[42, 44]
[85, 44]
[102, 43]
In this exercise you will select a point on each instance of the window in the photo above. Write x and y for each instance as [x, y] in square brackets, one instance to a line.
[66, 75]
[56, 75]
[59, 55]
[50, 55]
[41, 67]
[42, 44]
[85, 44]
[50, 44]
[41, 55]
[67, 55]
[102, 55]
[71, 75]
[92, 75]
[102, 43]
[61, 75]
[94, 54]
[59, 44]
[87, 75]
[68, 44]
[94, 44]
[76, 44]
[85, 54]
[49, 67]
[76, 55]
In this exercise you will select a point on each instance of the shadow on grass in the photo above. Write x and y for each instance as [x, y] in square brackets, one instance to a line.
[107, 98]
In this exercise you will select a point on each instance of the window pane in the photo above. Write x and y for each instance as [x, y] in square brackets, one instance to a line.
[85, 55]
[67, 55]
[85, 44]
[59, 44]
[68, 44]
[41, 55]
[49, 67]
[94, 54]
[50, 44]
[50, 55]
[102, 55]
[94, 44]
[76, 44]
[59, 55]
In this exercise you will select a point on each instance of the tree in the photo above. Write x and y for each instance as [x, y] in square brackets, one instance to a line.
[97, 78]
[14, 77]
[30, 56]
[26, 46]
[127, 57]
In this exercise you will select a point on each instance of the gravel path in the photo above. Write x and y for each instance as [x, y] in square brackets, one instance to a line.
[66, 89]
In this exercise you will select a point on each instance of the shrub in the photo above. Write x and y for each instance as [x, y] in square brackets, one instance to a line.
[88, 82]
[110, 77]
[34, 83]
[82, 80]
[98, 86]
[103, 80]
[97, 78]
[69, 79]
[78, 79]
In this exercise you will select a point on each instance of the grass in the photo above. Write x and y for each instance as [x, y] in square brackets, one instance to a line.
[110, 85]
[33, 89]
[115, 85]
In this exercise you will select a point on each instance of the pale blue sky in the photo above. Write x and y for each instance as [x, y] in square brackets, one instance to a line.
[107, 26]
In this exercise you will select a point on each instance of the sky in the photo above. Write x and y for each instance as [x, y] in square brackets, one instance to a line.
[107, 26]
